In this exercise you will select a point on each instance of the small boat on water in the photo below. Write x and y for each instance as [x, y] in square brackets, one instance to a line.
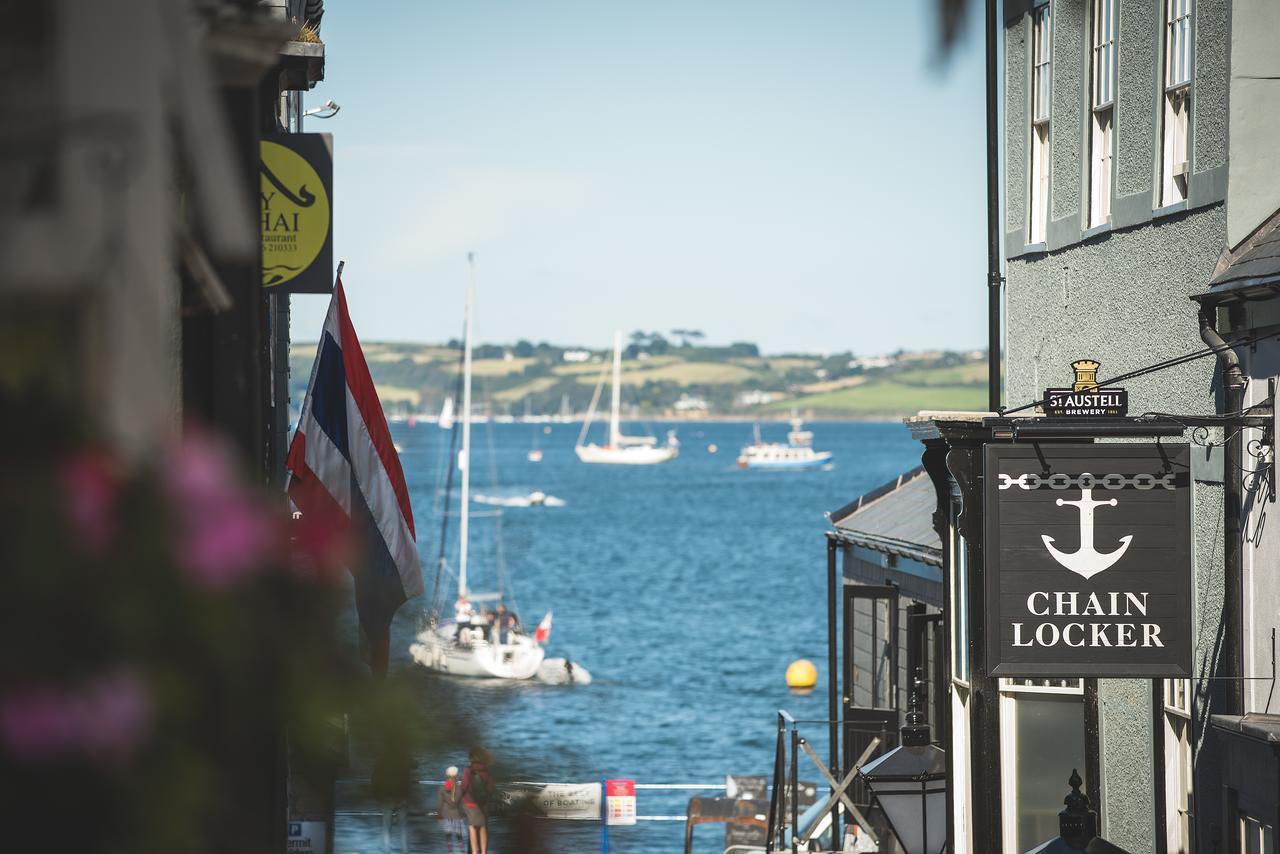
[797, 454]
[536, 498]
[621, 450]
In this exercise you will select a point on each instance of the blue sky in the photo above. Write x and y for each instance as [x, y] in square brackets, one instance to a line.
[807, 175]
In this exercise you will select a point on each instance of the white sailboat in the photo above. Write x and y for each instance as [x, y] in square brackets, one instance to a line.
[460, 646]
[621, 450]
[445, 421]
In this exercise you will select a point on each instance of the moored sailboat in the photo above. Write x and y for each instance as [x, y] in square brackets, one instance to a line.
[621, 449]
[467, 645]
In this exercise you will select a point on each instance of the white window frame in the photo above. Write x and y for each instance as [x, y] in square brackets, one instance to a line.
[1009, 691]
[1178, 775]
[1179, 59]
[1103, 90]
[1102, 99]
[1041, 110]
[1256, 836]
[958, 600]
[962, 773]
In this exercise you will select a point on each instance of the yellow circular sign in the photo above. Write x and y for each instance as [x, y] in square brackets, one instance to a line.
[295, 214]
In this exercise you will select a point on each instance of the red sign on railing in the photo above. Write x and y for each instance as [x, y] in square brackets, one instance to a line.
[620, 801]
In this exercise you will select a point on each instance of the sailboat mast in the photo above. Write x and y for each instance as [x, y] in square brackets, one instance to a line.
[465, 459]
[615, 431]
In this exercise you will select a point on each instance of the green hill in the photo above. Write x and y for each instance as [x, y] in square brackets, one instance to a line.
[669, 380]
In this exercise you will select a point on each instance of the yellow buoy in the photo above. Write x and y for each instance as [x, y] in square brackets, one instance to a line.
[802, 674]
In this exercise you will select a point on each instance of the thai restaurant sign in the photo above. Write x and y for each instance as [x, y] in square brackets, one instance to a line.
[1088, 567]
[295, 199]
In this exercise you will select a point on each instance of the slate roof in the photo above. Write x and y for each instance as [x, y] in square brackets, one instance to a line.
[1256, 261]
[895, 517]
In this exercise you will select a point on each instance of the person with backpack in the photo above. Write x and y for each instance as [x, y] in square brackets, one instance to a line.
[477, 793]
[450, 812]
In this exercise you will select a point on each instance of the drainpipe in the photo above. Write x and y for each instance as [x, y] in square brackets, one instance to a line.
[1233, 383]
[994, 279]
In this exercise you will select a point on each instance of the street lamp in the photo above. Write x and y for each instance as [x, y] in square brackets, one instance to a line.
[910, 782]
[327, 110]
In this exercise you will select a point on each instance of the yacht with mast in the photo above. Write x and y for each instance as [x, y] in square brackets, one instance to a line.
[621, 449]
[464, 645]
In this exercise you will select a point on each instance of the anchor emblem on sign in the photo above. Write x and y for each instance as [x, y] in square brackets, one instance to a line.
[1087, 561]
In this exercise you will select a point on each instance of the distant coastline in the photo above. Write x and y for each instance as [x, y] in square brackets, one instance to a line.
[679, 382]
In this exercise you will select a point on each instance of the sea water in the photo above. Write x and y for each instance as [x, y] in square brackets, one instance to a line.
[684, 588]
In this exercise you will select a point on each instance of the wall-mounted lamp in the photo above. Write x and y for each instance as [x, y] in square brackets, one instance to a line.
[327, 110]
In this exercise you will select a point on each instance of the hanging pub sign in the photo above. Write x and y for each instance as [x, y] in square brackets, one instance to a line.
[1085, 398]
[296, 206]
[1088, 568]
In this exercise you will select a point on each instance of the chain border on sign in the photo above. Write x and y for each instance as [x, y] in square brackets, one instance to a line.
[1086, 480]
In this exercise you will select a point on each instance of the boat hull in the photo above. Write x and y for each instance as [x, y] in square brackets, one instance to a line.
[516, 660]
[817, 461]
[625, 455]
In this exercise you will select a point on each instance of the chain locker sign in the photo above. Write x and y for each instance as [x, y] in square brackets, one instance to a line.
[1088, 560]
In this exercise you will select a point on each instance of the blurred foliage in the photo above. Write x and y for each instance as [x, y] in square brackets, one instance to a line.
[162, 634]
[173, 675]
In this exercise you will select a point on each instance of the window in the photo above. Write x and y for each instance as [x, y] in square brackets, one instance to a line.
[1175, 160]
[1256, 837]
[1041, 742]
[1103, 101]
[1179, 819]
[1041, 89]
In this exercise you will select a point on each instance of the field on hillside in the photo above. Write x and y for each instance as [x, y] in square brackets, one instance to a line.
[676, 381]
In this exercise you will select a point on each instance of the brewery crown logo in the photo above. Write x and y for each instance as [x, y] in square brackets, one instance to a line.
[1085, 397]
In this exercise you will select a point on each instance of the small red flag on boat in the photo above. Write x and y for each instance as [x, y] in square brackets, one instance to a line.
[543, 633]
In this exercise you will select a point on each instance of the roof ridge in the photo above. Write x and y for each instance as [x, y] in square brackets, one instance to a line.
[868, 498]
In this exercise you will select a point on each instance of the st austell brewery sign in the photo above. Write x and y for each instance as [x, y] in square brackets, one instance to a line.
[295, 197]
[1085, 398]
[1088, 568]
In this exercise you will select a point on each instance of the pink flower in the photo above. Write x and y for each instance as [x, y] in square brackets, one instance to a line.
[225, 531]
[226, 542]
[37, 724]
[117, 714]
[107, 718]
[91, 484]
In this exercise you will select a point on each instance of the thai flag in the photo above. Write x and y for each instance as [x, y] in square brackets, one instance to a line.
[343, 466]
